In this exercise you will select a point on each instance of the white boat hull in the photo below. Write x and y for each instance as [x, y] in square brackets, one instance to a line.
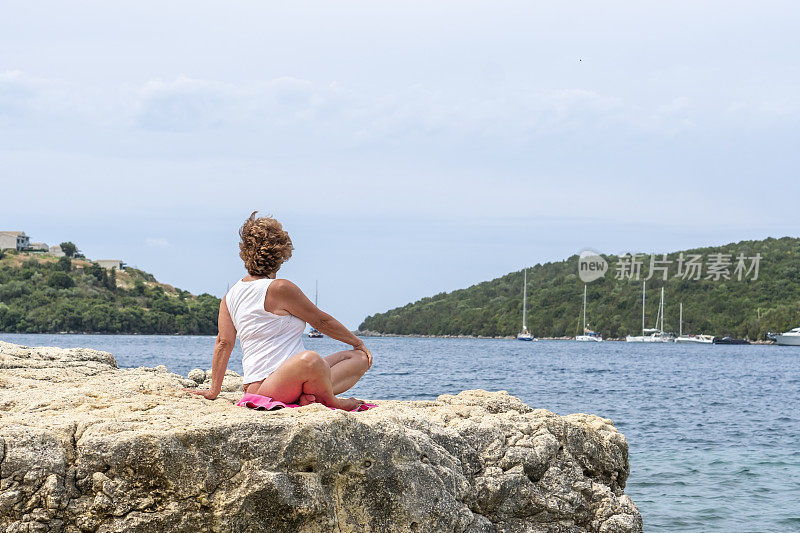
[788, 340]
[525, 337]
[688, 339]
[646, 338]
[588, 338]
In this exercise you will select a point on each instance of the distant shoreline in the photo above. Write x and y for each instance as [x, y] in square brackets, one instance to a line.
[110, 334]
[360, 333]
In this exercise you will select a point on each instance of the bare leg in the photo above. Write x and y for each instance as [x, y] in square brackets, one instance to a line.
[305, 374]
[347, 367]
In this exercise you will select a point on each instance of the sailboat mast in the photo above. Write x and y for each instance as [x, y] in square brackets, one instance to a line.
[524, 300]
[316, 291]
[584, 309]
[680, 321]
[658, 316]
[643, 292]
[662, 309]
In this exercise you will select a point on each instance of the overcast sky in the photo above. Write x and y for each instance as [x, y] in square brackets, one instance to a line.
[408, 147]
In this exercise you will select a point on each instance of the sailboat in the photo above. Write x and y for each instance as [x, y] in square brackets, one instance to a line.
[693, 339]
[588, 335]
[525, 335]
[313, 333]
[652, 334]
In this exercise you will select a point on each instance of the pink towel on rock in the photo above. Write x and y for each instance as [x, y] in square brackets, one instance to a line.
[265, 403]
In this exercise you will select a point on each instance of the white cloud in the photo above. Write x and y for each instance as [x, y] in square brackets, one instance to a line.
[27, 99]
[288, 112]
[157, 242]
[18, 94]
[188, 103]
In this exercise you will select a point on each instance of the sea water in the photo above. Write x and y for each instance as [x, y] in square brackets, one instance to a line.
[714, 431]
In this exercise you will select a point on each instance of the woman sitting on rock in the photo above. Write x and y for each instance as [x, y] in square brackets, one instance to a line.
[269, 315]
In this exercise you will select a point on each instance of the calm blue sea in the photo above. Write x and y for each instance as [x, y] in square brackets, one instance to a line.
[714, 431]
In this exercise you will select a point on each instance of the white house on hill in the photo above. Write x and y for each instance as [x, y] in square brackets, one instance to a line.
[110, 263]
[15, 240]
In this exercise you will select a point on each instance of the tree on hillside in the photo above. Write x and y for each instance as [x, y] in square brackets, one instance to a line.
[65, 264]
[721, 305]
[69, 248]
[60, 280]
[44, 296]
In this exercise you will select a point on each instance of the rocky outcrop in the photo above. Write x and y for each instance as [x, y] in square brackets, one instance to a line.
[86, 446]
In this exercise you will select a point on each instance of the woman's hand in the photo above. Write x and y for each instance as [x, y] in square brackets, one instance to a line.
[207, 394]
[362, 348]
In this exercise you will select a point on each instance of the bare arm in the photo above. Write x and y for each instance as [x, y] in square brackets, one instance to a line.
[285, 295]
[223, 346]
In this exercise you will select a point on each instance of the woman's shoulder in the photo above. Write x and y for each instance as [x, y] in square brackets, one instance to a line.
[285, 290]
[282, 285]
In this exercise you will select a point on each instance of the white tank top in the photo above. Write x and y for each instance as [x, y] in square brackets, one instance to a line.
[267, 339]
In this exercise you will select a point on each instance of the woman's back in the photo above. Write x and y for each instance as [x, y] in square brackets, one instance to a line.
[267, 339]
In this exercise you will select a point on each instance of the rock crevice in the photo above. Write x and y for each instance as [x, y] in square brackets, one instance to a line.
[86, 446]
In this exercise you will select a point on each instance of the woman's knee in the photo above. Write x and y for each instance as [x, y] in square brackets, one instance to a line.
[312, 360]
[363, 360]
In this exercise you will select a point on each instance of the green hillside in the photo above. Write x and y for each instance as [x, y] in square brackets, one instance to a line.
[494, 308]
[40, 293]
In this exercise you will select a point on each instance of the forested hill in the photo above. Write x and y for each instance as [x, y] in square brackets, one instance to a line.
[40, 293]
[745, 307]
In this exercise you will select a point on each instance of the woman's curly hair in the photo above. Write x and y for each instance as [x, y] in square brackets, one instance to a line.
[264, 245]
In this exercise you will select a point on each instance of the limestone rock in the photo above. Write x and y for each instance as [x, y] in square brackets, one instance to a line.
[197, 375]
[86, 446]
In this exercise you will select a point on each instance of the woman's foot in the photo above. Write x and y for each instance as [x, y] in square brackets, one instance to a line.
[306, 399]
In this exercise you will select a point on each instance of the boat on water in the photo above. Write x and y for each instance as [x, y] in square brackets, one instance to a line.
[691, 339]
[588, 334]
[730, 340]
[695, 339]
[525, 335]
[656, 334]
[650, 335]
[790, 338]
[313, 333]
